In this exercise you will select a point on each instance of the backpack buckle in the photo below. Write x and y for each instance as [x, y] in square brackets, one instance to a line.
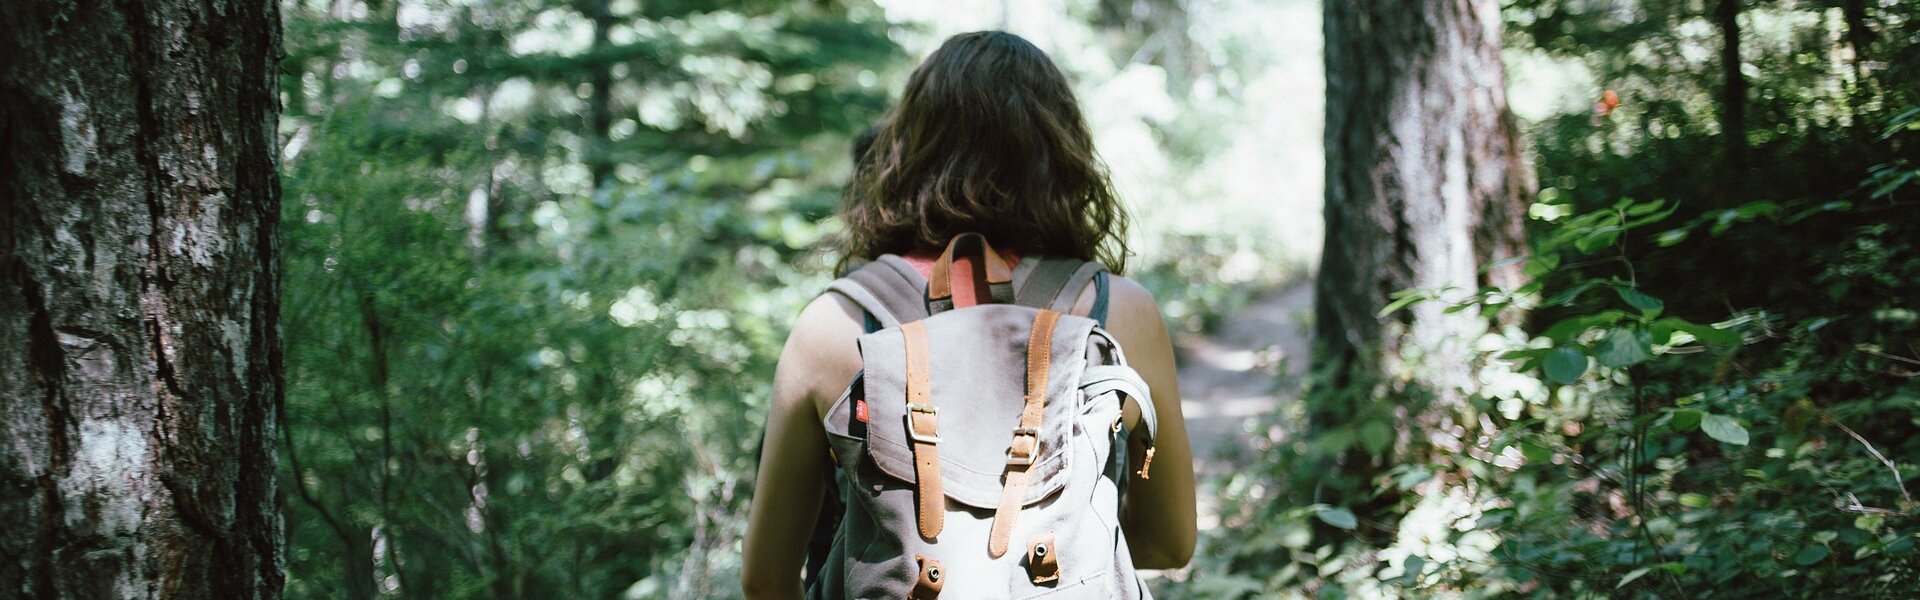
[914, 432]
[1019, 455]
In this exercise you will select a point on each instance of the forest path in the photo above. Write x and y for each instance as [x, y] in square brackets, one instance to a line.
[1250, 367]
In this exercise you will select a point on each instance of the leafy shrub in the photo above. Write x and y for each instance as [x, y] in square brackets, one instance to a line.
[1617, 448]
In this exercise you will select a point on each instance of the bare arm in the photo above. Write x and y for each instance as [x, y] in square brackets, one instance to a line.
[1159, 517]
[819, 357]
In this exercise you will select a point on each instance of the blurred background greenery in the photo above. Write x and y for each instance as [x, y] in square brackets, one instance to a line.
[541, 255]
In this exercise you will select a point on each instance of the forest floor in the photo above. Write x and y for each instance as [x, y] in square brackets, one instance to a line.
[1251, 366]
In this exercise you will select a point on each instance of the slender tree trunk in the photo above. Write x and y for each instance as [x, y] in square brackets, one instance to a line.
[140, 360]
[1733, 96]
[1859, 36]
[600, 159]
[1424, 185]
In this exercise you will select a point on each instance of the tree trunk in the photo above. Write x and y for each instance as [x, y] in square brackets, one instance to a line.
[1733, 98]
[139, 315]
[600, 158]
[1424, 185]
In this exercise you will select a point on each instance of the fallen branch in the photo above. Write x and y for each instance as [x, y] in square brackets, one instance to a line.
[1897, 480]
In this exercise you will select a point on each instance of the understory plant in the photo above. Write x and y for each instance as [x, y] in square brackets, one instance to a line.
[1614, 448]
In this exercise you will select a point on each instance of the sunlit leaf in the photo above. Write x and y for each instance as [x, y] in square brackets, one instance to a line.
[1337, 517]
[1724, 428]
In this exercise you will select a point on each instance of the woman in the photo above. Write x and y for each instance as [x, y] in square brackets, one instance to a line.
[987, 138]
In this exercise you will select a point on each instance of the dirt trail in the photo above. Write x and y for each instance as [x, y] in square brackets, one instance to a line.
[1233, 376]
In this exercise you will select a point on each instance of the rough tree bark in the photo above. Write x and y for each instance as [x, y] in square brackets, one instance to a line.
[140, 362]
[1425, 184]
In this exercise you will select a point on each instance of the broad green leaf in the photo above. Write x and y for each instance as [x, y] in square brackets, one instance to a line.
[1724, 428]
[1542, 264]
[1536, 452]
[1661, 334]
[1648, 305]
[1565, 365]
[1410, 570]
[1337, 517]
[1376, 436]
[1810, 555]
[1624, 347]
[1686, 419]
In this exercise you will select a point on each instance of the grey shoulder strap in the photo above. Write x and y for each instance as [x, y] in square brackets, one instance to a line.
[888, 288]
[1048, 277]
[1069, 290]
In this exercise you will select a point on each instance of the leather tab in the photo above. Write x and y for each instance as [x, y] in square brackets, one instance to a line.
[923, 428]
[932, 577]
[940, 284]
[1043, 559]
[1009, 510]
[1026, 441]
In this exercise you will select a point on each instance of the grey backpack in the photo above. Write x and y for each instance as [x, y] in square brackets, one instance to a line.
[981, 451]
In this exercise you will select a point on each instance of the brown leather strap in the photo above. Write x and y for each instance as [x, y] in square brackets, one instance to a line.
[1043, 560]
[1026, 438]
[940, 284]
[923, 428]
[932, 577]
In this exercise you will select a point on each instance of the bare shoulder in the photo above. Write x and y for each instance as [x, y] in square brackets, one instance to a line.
[821, 353]
[1128, 297]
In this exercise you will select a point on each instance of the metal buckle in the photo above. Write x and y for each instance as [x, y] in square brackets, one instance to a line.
[913, 432]
[1024, 461]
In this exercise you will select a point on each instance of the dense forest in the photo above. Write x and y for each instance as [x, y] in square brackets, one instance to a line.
[1537, 298]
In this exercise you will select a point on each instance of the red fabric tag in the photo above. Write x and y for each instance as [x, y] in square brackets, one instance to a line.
[860, 410]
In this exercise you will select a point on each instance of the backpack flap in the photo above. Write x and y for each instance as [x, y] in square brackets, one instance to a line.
[978, 361]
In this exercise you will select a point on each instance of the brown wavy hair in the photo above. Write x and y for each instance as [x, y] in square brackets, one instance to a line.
[987, 138]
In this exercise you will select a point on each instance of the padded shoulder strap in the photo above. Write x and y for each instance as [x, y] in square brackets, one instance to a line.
[889, 289]
[1069, 293]
[1048, 277]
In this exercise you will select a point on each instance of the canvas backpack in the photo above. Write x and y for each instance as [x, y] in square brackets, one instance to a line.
[981, 451]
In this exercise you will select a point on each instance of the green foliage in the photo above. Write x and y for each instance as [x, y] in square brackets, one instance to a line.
[527, 355]
[1711, 394]
[1635, 453]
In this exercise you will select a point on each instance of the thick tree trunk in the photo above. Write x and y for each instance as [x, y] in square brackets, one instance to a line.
[140, 362]
[1424, 185]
